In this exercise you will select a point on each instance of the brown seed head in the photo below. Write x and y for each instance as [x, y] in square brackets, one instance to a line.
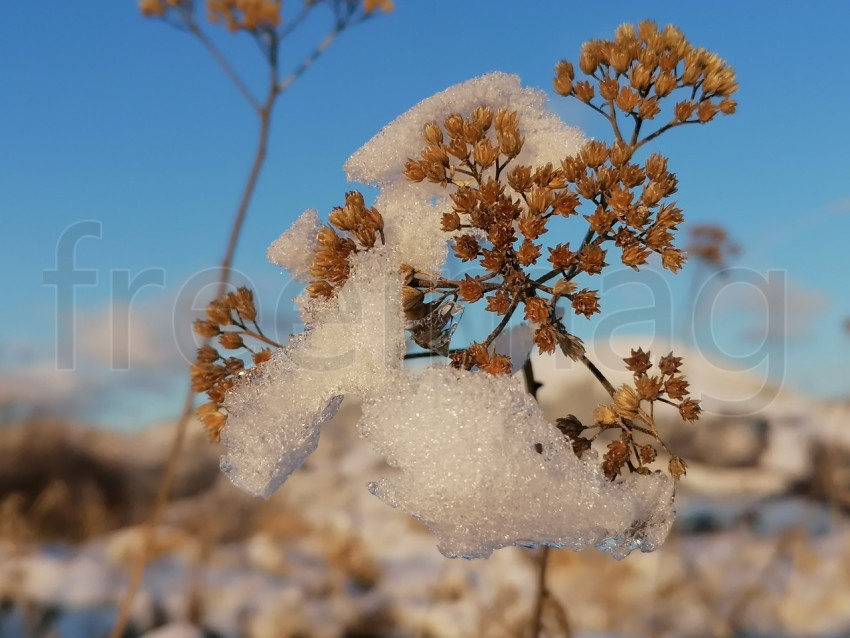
[219, 313]
[450, 221]
[561, 256]
[648, 108]
[245, 304]
[454, 125]
[207, 354]
[626, 402]
[584, 91]
[498, 364]
[262, 356]
[485, 153]
[670, 364]
[627, 99]
[594, 153]
[213, 419]
[570, 426]
[414, 171]
[499, 303]
[635, 256]
[586, 302]
[638, 362]
[564, 76]
[231, 341]
[672, 259]
[647, 454]
[467, 247]
[546, 338]
[470, 289]
[528, 253]
[591, 259]
[649, 388]
[605, 415]
[205, 328]
[608, 89]
[432, 133]
[676, 387]
[677, 467]
[690, 410]
[537, 310]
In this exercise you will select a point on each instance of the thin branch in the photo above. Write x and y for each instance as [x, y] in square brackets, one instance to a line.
[296, 21]
[596, 372]
[428, 354]
[224, 64]
[537, 613]
[504, 322]
[149, 531]
[612, 117]
[247, 194]
[316, 53]
[261, 337]
[664, 129]
[636, 131]
[531, 382]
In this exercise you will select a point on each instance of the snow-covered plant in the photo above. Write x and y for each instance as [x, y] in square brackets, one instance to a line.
[492, 172]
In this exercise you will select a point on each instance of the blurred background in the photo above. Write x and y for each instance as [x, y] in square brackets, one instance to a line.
[124, 152]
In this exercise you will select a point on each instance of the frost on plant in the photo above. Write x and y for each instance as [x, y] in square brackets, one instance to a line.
[483, 170]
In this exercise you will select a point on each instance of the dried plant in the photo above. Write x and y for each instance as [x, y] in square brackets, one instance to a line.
[502, 208]
[613, 203]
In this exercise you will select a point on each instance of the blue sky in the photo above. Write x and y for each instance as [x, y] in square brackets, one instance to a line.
[110, 117]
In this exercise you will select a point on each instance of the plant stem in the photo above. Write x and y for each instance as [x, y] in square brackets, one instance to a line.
[167, 479]
[537, 613]
[223, 63]
[533, 385]
[596, 372]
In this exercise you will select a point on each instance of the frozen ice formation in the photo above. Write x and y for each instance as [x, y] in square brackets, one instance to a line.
[483, 469]
[294, 249]
[476, 460]
[354, 344]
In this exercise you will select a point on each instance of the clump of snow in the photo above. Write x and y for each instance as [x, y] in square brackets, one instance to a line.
[483, 469]
[294, 249]
[380, 162]
[478, 462]
[412, 224]
[355, 343]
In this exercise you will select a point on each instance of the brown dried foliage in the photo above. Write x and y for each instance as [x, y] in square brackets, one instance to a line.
[632, 410]
[232, 321]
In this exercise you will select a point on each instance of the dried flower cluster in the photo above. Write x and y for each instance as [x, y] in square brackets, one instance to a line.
[244, 14]
[627, 413]
[227, 320]
[157, 8]
[500, 209]
[641, 67]
[248, 15]
[331, 265]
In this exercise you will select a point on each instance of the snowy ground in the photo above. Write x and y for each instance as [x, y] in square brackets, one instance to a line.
[761, 547]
